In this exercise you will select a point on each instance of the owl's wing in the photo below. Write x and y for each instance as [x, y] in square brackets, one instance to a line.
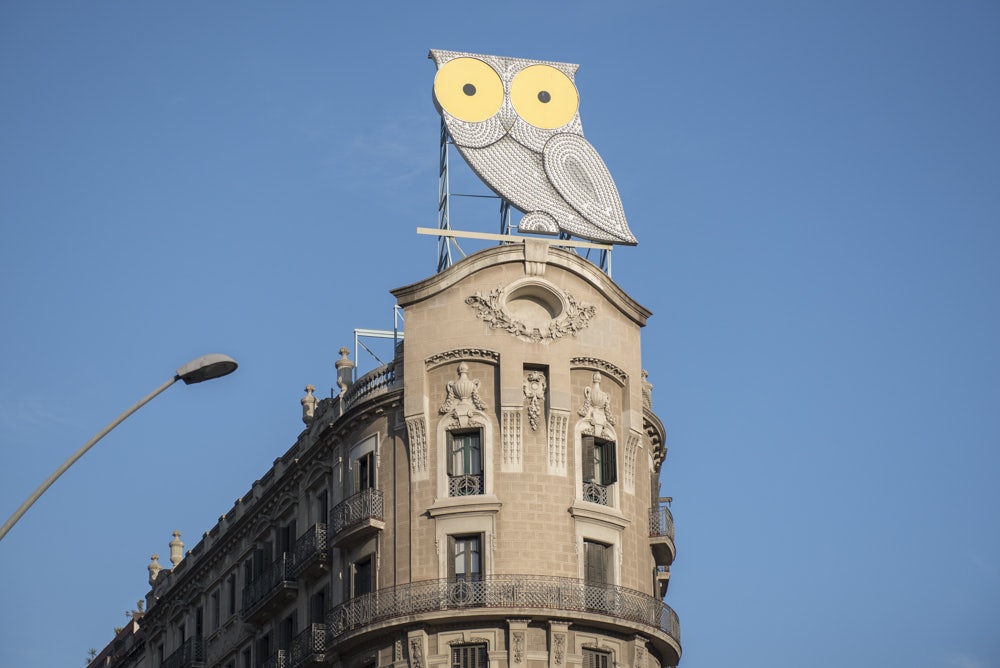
[579, 174]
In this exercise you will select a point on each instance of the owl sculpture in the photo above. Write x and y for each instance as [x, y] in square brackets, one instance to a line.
[517, 123]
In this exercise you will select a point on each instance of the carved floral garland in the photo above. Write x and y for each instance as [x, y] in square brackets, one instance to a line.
[490, 310]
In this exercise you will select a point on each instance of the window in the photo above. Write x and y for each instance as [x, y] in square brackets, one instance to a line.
[245, 659]
[599, 462]
[286, 538]
[361, 577]
[264, 647]
[364, 472]
[465, 561]
[596, 563]
[287, 632]
[593, 658]
[469, 656]
[215, 608]
[231, 591]
[465, 465]
[317, 607]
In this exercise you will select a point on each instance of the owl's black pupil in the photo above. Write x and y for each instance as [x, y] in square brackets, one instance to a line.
[543, 96]
[469, 89]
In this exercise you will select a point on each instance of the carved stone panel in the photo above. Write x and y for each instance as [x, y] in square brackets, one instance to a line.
[557, 434]
[416, 429]
[513, 443]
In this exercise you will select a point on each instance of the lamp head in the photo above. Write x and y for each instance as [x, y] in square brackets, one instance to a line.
[206, 367]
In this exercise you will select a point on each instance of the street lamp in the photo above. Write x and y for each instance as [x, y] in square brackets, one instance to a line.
[204, 368]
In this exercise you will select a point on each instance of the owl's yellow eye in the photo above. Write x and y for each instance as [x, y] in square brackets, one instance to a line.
[544, 96]
[468, 89]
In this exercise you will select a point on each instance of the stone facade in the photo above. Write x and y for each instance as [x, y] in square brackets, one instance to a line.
[490, 498]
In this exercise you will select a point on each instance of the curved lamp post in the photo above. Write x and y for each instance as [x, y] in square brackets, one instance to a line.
[204, 368]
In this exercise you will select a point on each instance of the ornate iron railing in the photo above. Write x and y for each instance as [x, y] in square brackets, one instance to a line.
[308, 644]
[502, 591]
[661, 522]
[310, 545]
[595, 492]
[191, 652]
[277, 660]
[465, 485]
[365, 505]
[272, 576]
[375, 382]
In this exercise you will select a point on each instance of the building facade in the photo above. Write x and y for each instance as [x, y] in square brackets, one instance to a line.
[490, 499]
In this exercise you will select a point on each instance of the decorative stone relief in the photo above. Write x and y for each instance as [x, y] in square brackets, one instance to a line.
[397, 650]
[513, 443]
[569, 316]
[309, 404]
[631, 449]
[601, 365]
[557, 434]
[647, 390]
[462, 402]
[534, 396]
[558, 648]
[640, 657]
[460, 354]
[518, 646]
[416, 652]
[416, 429]
[596, 410]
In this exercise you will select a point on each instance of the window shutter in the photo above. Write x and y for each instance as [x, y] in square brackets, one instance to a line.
[609, 463]
[588, 457]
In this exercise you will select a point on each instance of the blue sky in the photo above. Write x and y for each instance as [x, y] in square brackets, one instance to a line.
[816, 192]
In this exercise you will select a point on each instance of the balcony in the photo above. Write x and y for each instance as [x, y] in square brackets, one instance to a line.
[273, 588]
[191, 654]
[357, 516]
[309, 646]
[608, 606]
[595, 492]
[279, 659]
[662, 580]
[310, 556]
[661, 535]
[465, 485]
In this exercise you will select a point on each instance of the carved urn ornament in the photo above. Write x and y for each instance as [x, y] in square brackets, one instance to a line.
[596, 410]
[534, 394]
[462, 401]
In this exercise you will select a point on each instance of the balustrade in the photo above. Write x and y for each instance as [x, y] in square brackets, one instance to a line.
[191, 653]
[502, 591]
[595, 492]
[465, 485]
[309, 646]
[365, 505]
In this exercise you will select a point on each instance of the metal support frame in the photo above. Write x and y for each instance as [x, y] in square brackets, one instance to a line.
[447, 241]
[396, 334]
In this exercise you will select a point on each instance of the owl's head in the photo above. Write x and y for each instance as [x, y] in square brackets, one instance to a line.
[482, 98]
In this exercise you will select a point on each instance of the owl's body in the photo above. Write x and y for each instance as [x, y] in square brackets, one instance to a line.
[516, 123]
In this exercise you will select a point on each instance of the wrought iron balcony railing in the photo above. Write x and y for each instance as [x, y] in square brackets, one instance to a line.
[502, 591]
[190, 654]
[595, 492]
[309, 646]
[310, 549]
[661, 522]
[269, 579]
[465, 485]
[279, 659]
[365, 505]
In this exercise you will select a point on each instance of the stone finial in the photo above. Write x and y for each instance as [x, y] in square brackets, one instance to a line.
[462, 400]
[176, 549]
[309, 404]
[647, 390]
[345, 370]
[154, 568]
